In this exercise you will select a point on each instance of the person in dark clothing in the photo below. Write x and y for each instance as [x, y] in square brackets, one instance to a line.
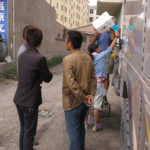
[3, 49]
[32, 71]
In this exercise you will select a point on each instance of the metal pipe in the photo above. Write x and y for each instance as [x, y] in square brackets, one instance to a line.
[13, 29]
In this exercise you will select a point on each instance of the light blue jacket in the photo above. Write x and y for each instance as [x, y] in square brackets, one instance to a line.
[99, 62]
[22, 49]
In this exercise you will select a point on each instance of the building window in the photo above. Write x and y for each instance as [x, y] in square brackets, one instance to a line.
[91, 11]
[56, 16]
[58, 36]
[84, 38]
[61, 7]
[65, 19]
[61, 18]
[65, 9]
[91, 19]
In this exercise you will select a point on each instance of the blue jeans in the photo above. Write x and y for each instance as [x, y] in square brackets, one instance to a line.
[75, 127]
[28, 123]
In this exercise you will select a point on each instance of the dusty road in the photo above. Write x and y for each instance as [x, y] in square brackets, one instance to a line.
[51, 132]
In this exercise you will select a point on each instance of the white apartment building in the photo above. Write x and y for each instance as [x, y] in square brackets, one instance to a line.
[71, 13]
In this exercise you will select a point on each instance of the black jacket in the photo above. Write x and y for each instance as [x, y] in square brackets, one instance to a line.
[32, 71]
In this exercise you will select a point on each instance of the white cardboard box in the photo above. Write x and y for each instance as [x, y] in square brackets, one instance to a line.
[103, 22]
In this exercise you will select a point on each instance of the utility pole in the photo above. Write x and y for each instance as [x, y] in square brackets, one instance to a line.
[14, 30]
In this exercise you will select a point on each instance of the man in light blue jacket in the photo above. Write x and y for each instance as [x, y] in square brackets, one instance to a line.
[24, 46]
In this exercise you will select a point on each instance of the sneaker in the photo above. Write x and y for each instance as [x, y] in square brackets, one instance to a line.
[96, 128]
[86, 126]
[105, 101]
[35, 143]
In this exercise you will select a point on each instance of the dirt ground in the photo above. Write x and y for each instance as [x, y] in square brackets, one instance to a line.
[51, 132]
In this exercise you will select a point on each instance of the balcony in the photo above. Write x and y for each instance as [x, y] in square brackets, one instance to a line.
[111, 6]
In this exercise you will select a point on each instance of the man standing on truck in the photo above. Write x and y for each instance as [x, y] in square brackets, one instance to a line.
[104, 40]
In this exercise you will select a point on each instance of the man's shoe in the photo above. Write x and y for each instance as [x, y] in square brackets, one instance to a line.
[86, 126]
[35, 143]
[96, 128]
[105, 101]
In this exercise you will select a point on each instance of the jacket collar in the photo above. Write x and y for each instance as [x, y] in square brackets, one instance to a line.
[75, 51]
[33, 49]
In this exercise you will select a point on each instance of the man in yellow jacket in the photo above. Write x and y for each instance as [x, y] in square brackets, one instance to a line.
[79, 87]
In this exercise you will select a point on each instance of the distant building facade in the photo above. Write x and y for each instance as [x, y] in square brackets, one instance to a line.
[71, 13]
[92, 13]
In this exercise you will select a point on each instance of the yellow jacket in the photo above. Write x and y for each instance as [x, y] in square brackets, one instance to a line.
[113, 54]
[78, 79]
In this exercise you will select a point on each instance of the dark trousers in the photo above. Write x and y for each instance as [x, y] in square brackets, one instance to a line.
[28, 123]
[75, 127]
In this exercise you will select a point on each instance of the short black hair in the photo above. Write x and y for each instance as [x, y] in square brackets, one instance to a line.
[24, 31]
[76, 38]
[92, 48]
[114, 18]
[34, 37]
